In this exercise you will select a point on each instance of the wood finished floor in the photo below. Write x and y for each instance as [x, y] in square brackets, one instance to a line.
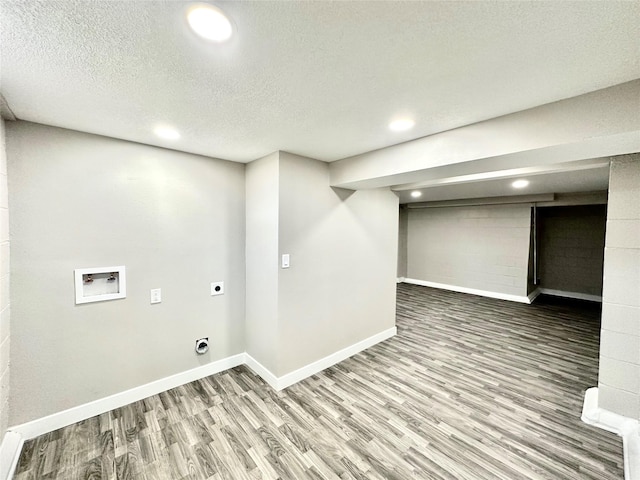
[470, 388]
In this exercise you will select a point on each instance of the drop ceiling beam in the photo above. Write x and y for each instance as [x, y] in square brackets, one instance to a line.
[599, 124]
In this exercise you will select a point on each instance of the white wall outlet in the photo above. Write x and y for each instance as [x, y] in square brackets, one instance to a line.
[285, 260]
[217, 288]
[156, 295]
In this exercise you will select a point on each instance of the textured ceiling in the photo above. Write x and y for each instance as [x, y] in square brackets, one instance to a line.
[320, 79]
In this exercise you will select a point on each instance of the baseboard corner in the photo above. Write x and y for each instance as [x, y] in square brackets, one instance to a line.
[533, 295]
[627, 428]
[262, 371]
[10, 448]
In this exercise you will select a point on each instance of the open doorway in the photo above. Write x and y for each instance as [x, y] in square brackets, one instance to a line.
[570, 251]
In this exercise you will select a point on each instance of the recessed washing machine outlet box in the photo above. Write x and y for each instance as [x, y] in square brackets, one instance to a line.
[100, 283]
[217, 288]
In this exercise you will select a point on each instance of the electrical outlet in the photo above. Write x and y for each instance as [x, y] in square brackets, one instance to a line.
[156, 295]
[217, 288]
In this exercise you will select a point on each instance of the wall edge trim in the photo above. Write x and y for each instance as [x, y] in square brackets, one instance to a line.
[75, 414]
[10, 449]
[627, 428]
[472, 291]
[574, 295]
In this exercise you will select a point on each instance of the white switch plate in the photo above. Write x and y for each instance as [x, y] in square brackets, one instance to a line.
[156, 295]
[217, 288]
[285, 260]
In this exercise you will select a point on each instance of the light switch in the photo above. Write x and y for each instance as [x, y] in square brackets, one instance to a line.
[156, 295]
[285, 260]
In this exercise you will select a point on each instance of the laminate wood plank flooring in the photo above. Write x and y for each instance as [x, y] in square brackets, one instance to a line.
[470, 388]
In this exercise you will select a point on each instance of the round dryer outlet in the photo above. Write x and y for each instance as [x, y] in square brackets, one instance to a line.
[202, 345]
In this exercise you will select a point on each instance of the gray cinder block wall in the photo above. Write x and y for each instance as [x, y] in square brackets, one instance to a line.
[619, 375]
[4, 287]
[480, 247]
[572, 248]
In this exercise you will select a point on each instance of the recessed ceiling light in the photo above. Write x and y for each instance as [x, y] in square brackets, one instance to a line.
[401, 124]
[166, 133]
[209, 22]
[520, 183]
[416, 194]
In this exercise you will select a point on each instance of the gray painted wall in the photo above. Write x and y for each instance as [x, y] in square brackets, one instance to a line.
[619, 374]
[571, 248]
[5, 326]
[483, 247]
[262, 184]
[175, 220]
[340, 288]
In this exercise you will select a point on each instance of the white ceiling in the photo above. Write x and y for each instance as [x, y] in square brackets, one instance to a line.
[320, 79]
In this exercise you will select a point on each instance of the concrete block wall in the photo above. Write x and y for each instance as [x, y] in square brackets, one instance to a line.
[619, 375]
[571, 248]
[4, 287]
[480, 247]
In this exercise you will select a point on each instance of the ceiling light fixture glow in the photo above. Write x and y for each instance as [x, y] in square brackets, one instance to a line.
[520, 183]
[416, 194]
[401, 124]
[166, 133]
[209, 22]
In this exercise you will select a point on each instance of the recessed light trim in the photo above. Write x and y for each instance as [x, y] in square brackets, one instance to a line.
[401, 125]
[416, 194]
[209, 22]
[520, 184]
[166, 133]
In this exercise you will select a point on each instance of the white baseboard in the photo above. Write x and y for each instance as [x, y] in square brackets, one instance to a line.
[14, 438]
[82, 412]
[533, 295]
[262, 371]
[473, 291]
[627, 428]
[280, 383]
[399, 279]
[575, 295]
[336, 357]
[10, 449]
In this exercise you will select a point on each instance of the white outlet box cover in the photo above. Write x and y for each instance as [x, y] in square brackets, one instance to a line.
[217, 288]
